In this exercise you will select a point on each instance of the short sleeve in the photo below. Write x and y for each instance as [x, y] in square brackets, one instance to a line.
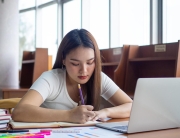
[45, 85]
[108, 87]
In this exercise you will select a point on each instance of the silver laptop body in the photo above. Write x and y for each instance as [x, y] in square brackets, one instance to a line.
[156, 106]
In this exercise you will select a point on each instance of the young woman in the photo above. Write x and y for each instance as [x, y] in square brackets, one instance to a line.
[54, 96]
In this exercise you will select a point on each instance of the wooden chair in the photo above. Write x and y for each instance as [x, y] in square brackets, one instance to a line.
[9, 104]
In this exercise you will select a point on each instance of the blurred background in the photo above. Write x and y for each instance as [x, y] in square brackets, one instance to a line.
[30, 24]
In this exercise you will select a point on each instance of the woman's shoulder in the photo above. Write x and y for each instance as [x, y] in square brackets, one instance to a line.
[54, 73]
[106, 80]
[103, 75]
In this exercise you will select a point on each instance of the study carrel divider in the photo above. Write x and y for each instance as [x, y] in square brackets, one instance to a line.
[110, 60]
[151, 61]
[34, 63]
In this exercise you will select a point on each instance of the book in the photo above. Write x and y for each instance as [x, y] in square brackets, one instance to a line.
[5, 117]
[27, 125]
[3, 125]
[3, 111]
[4, 121]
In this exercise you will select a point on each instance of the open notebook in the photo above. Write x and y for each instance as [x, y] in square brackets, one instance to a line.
[26, 125]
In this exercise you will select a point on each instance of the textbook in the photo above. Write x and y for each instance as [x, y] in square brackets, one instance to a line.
[3, 111]
[5, 117]
[3, 125]
[26, 125]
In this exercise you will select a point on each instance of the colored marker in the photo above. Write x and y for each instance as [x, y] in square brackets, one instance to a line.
[13, 131]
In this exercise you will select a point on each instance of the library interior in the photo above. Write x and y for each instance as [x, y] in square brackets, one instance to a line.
[137, 39]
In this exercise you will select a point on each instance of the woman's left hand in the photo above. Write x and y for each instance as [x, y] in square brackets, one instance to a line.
[100, 115]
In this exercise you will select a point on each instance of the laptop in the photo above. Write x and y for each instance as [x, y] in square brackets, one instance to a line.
[156, 106]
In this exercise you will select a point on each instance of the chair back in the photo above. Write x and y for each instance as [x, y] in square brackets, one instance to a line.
[9, 104]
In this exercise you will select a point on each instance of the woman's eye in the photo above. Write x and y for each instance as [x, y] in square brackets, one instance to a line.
[74, 64]
[90, 63]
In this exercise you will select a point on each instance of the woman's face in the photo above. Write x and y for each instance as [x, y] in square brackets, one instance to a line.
[80, 64]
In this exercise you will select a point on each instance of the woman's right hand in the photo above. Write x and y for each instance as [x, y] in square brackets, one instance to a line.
[81, 114]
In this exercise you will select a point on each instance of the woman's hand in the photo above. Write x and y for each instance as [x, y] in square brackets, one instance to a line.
[101, 115]
[81, 114]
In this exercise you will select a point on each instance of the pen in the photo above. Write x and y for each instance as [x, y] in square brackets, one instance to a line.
[81, 95]
[13, 131]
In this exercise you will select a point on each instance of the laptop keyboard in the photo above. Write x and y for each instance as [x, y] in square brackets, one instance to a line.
[124, 128]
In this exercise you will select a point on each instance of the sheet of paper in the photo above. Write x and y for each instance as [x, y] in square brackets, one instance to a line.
[82, 132]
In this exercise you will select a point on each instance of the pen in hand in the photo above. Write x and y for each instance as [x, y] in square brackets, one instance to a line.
[81, 95]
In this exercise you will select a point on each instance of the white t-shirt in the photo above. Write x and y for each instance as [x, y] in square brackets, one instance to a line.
[52, 87]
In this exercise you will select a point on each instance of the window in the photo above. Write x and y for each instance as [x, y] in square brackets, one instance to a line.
[130, 22]
[95, 18]
[71, 16]
[112, 22]
[26, 33]
[171, 24]
[48, 30]
[43, 1]
[24, 4]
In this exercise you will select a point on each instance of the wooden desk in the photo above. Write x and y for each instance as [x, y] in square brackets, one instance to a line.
[169, 133]
[13, 92]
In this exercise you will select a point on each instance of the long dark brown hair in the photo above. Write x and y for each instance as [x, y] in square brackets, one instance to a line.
[72, 40]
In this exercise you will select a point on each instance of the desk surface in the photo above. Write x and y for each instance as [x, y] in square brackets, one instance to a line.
[169, 133]
[13, 88]
[103, 133]
[12, 91]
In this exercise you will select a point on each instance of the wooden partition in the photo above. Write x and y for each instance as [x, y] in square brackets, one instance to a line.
[110, 60]
[120, 71]
[150, 61]
[34, 63]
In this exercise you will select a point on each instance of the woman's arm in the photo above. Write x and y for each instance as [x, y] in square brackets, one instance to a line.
[122, 107]
[28, 110]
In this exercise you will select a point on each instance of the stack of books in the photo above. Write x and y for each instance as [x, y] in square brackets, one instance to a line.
[4, 118]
